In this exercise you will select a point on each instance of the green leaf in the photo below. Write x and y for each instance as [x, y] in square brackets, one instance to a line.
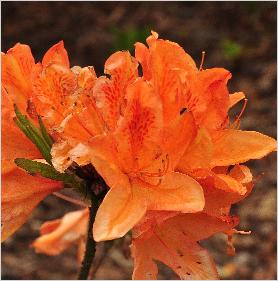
[33, 133]
[45, 134]
[47, 171]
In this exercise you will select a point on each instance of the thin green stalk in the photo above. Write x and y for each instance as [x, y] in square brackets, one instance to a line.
[90, 244]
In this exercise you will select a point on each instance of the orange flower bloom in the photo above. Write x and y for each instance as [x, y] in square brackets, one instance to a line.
[21, 192]
[137, 154]
[163, 144]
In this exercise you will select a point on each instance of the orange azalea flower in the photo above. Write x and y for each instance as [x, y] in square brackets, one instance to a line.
[21, 192]
[162, 143]
[137, 152]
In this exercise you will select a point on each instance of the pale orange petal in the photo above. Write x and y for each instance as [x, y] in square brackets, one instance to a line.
[58, 235]
[178, 136]
[120, 210]
[103, 155]
[56, 54]
[236, 146]
[176, 192]
[20, 195]
[198, 154]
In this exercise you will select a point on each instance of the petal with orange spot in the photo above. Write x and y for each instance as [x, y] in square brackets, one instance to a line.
[139, 132]
[109, 93]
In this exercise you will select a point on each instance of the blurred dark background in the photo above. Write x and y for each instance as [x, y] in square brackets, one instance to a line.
[240, 36]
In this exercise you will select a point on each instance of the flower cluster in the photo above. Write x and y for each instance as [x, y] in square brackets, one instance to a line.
[161, 142]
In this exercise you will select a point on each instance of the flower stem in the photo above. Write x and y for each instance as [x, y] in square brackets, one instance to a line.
[90, 244]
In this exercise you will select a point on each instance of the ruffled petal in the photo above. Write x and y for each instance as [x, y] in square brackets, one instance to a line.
[58, 235]
[221, 194]
[208, 97]
[235, 146]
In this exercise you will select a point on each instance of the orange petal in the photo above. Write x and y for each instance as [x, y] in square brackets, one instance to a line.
[109, 93]
[173, 242]
[17, 67]
[139, 132]
[229, 184]
[235, 146]
[53, 88]
[56, 54]
[223, 190]
[103, 155]
[178, 136]
[142, 54]
[235, 98]
[20, 195]
[165, 59]
[120, 210]
[176, 192]
[198, 154]
[58, 235]
[209, 97]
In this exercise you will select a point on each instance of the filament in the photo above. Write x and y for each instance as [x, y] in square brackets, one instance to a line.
[71, 200]
[202, 61]
[236, 122]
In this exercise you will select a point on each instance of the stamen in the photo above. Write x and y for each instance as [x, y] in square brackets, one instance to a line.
[160, 173]
[202, 61]
[71, 200]
[235, 125]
